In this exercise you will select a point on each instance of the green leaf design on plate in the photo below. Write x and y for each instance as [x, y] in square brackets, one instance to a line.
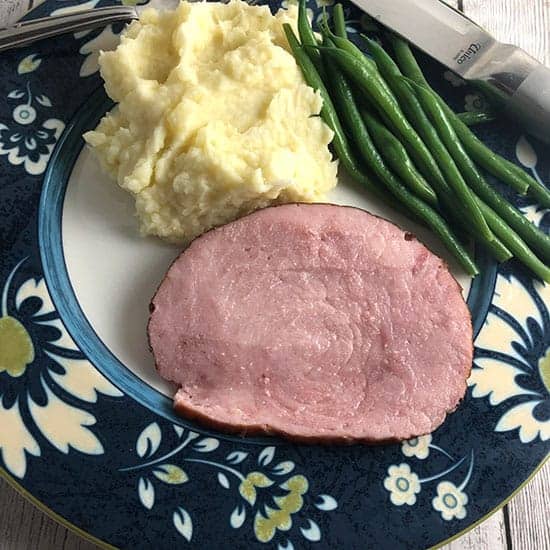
[29, 64]
[170, 473]
[16, 347]
[248, 485]
[544, 369]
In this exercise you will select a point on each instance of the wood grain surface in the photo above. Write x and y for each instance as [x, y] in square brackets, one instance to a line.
[524, 524]
[525, 23]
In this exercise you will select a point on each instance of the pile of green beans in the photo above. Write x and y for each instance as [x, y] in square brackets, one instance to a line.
[397, 137]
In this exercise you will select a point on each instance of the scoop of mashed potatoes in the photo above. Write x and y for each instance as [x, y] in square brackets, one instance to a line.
[213, 120]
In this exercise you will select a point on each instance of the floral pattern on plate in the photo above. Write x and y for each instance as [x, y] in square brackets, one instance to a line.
[512, 366]
[404, 485]
[45, 381]
[31, 136]
[267, 492]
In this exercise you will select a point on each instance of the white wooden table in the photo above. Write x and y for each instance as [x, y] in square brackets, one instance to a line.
[524, 523]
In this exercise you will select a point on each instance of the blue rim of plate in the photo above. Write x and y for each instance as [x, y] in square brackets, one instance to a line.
[101, 449]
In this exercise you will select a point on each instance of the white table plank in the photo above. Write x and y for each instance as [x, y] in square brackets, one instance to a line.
[12, 10]
[529, 514]
[525, 23]
[490, 535]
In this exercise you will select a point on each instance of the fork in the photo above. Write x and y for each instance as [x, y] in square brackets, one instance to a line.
[26, 32]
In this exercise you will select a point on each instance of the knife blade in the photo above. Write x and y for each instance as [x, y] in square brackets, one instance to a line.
[516, 82]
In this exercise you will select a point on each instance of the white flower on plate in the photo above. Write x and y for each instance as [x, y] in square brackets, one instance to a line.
[417, 446]
[402, 484]
[30, 139]
[450, 501]
[512, 369]
[37, 355]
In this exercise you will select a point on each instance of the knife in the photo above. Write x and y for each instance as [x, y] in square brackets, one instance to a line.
[516, 82]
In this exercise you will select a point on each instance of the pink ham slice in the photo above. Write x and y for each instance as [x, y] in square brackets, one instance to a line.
[320, 323]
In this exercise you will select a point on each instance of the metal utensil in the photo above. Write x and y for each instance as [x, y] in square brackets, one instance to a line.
[26, 32]
[514, 80]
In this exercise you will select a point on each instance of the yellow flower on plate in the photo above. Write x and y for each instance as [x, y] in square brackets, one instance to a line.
[265, 527]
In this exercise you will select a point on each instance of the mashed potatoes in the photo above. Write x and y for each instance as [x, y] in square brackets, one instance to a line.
[214, 118]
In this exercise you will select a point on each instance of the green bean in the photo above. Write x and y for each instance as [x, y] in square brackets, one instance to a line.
[499, 167]
[367, 80]
[385, 64]
[330, 117]
[345, 44]
[525, 229]
[497, 247]
[418, 117]
[473, 118]
[422, 124]
[514, 242]
[461, 158]
[384, 139]
[348, 46]
[307, 37]
[393, 152]
[414, 112]
[406, 60]
[538, 191]
[528, 231]
[344, 99]
[339, 21]
[328, 114]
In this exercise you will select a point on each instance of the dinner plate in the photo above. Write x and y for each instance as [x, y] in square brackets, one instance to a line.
[87, 430]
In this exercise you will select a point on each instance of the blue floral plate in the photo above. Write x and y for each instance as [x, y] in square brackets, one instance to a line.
[86, 427]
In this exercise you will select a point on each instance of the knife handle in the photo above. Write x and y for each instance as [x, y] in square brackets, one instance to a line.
[530, 103]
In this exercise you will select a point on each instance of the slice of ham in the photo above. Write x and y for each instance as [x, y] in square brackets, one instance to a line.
[316, 322]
